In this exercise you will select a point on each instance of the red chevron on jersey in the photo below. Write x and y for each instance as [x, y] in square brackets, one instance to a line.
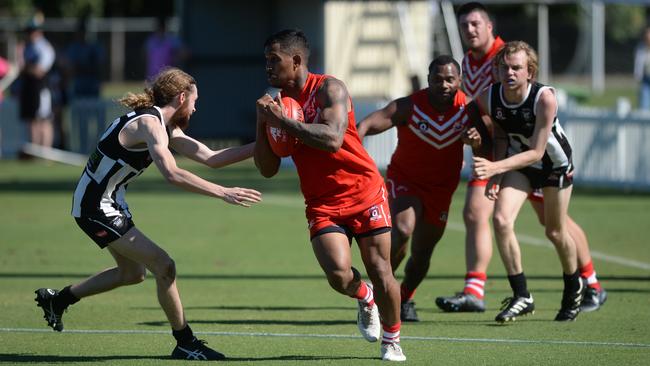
[478, 74]
[440, 131]
[429, 151]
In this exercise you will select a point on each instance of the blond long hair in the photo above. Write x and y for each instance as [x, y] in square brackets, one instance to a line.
[514, 47]
[165, 87]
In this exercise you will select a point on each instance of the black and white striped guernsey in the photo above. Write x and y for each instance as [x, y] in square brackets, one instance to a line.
[102, 186]
[518, 121]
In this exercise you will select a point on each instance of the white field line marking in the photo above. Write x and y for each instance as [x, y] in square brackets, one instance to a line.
[337, 336]
[284, 201]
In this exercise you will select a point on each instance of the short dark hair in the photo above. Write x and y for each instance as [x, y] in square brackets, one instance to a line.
[293, 40]
[443, 60]
[470, 7]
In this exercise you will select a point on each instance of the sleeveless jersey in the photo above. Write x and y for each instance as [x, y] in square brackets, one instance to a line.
[334, 180]
[429, 149]
[478, 74]
[518, 121]
[110, 168]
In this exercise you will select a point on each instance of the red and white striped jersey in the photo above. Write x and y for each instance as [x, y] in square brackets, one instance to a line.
[429, 149]
[478, 74]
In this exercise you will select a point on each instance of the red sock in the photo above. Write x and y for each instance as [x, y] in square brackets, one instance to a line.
[587, 271]
[475, 284]
[391, 333]
[405, 293]
[364, 293]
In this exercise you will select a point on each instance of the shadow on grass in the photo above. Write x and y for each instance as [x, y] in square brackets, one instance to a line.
[50, 359]
[308, 276]
[255, 308]
[257, 322]
[299, 358]
[27, 358]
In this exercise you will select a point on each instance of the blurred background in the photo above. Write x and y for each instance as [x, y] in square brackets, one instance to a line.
[591, 51]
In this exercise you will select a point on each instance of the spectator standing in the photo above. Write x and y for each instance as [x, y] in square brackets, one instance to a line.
[163, 49]
[35, 97]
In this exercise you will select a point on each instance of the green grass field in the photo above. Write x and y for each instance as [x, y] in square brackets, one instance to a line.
[252, 288]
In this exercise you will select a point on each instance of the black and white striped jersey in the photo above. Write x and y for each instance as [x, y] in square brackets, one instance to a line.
[518, 121]
[102, 186]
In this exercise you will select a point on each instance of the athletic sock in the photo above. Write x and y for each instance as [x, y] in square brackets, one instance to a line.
[571, 281]
[587, 271]
[65, 298]
[405, 293]
[184, 336]
[391, 333]
[475, 284]
[518, 285]
[364, 294]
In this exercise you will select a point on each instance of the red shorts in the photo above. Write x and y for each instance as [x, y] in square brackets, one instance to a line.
[536, 195]
[354, 220]
[475, 182]
[435, 200]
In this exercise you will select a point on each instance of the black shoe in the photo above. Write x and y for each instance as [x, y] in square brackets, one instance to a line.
[515, 306]
[461, 303]
[196, 350]
[407, 312]
[593, 300]
[52, 313]
[571, 301]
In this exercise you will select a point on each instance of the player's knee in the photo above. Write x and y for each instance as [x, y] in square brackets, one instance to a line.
[502, 223]
[553, 234]
[472, 216]
[339, 279]
[166, 270]
[403, 229]
[379, 269]
[133, 276]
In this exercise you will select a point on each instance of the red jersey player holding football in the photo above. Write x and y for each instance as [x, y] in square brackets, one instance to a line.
[343, 190]
[424, 170]
[477, 33]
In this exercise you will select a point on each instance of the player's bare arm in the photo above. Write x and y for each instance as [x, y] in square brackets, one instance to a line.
[150, 131]
[396, 113]
[266, 161]
[473, 135]
[197, 151]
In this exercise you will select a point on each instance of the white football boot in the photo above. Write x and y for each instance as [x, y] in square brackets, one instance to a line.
[392, 352]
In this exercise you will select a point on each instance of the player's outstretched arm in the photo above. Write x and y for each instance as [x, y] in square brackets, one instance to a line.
[266, 161]
[151, 132]
[197, 151]
[394, 114]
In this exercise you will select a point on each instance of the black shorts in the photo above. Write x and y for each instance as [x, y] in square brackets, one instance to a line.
[348, 232]
[559, 177]
[105, 230]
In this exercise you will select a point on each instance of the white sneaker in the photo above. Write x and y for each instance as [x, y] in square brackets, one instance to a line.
[368, 321]
[392, 352]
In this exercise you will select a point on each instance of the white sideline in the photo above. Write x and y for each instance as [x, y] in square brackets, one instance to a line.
[280, 200]
[337, 336]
